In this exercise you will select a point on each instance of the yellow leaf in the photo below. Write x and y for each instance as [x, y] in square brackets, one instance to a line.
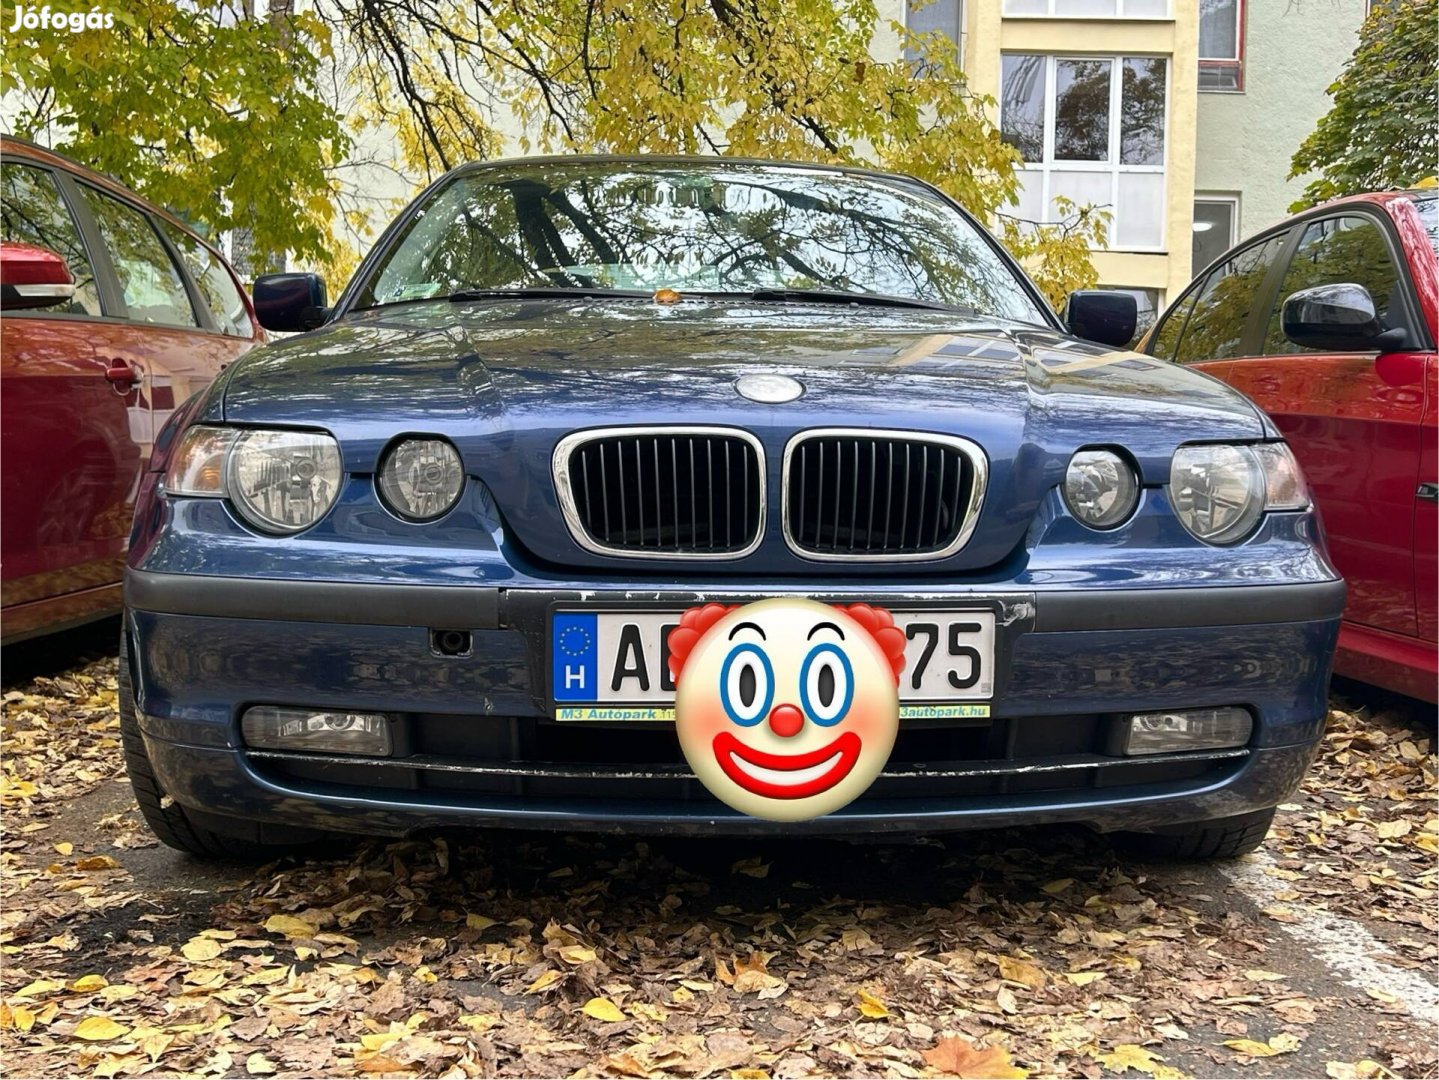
[1260, 975]
[290, 926]
[97, 862]
[1020, 971]
[1279, 1044]
[478, 922]
[576, 954]
[200, 949]
[480, 1021]
[19, 1017]
[544, 982]
[86, 983]
[156, 1045]
[1392, 830]
[65, 848]
[1083, 978]
[99, 1029]
[1054, 888]
[38, 988]
[380, 1040]
[1133, 1056]
[871, 1006]
[258, 1064]
[603, 1009]
[425, 975]
[748, 1074]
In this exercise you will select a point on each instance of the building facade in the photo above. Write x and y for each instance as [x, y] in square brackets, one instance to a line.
[1264, 68]
[1179, 116]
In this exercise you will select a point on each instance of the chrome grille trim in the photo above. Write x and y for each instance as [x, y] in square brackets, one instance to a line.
[757, 500]
[791, 484]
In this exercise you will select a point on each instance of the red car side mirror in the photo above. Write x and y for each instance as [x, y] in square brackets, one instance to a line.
[32, 277]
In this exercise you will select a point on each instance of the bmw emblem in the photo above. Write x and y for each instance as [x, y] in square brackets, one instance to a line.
[768, 389]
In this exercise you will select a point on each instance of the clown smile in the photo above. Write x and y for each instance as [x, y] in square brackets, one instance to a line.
[787, 776]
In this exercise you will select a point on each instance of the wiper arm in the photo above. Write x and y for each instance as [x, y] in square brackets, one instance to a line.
[540, 292]
[838, 296]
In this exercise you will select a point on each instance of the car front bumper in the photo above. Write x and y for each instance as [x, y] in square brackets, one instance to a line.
[205, 648]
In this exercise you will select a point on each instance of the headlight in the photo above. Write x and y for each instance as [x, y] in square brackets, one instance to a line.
[283, 481]
[278, 481]
[1219, 492]
[421, 479]
[1100, 488]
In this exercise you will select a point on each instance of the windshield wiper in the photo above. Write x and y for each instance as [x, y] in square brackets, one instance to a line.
[838, 296]
[541, 292]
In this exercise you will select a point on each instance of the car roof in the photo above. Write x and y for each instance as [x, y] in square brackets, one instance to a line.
[16, 147]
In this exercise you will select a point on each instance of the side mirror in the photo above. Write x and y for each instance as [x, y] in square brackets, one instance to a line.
[33, 277]
[1099, 315]
[290, 302]
[1338, 318]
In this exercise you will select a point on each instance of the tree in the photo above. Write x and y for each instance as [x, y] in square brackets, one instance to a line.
[1383, 127]
[452, 79]
[203, 108]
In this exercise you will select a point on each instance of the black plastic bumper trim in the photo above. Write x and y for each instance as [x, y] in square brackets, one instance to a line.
[450, 607]
[478, 608]
[1219, 605]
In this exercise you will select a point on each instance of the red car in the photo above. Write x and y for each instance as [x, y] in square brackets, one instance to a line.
[114, 314]
[1328, 322]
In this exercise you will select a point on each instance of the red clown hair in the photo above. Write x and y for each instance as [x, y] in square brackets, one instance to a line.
[696, 622]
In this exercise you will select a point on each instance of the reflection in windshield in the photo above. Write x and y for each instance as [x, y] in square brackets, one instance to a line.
[696, 228]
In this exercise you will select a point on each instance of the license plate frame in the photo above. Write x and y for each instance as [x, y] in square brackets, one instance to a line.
[927, 622]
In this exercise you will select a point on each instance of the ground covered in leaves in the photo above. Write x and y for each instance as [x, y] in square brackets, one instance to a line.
[508, 954]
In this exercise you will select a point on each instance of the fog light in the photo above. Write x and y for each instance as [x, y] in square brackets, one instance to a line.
[271, 728]
[1187, 729]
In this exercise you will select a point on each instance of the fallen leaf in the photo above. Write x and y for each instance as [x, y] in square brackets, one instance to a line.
[478, 922]
[97, 862]
[1020, 971]
[290, 926]
[603, 1009]
[88, 983]
[871, 1006]
[200, 949]
[99, 1029]
[65, 848]
[544, 982]
[1279, 1044]
[958, 1057]
[258, 1064]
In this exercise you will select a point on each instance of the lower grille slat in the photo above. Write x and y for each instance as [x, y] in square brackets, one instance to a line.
[865, 494]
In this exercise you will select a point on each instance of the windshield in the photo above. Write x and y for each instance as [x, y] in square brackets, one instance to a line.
[726, 228]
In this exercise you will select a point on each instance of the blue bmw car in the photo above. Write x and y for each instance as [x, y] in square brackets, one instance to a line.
[416, 567]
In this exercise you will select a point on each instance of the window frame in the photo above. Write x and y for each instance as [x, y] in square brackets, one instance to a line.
[1268, 292]
[1120, 14]
[1115, 119]
[960, 37]
[162, 226]
[1232, 199]
[204, 321]
[1219, 63]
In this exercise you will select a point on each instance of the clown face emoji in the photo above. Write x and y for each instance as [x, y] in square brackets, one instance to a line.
[787, 708]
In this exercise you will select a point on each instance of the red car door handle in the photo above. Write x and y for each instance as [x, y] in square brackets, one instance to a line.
[121, 374]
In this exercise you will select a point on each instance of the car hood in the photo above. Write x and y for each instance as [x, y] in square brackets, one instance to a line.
[507, 380]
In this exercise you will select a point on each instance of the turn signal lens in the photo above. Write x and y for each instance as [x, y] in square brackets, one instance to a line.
[197, 466]
[421, 479]
[1100, 488]
[1285, 488]
[284, 481]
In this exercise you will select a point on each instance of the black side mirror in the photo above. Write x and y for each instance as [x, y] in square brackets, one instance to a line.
[1338, 318]
[1099, 315]
[290, 302]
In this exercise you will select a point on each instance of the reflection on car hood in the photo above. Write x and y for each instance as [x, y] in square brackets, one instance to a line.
[506, 380]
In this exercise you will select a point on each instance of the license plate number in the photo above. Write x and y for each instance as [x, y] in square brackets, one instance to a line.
[614, 665]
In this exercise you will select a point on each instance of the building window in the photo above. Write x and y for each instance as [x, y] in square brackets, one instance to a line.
[1091, 129]
[1216, 219]
[1221, 45]
[1088, 9]
[947, 16]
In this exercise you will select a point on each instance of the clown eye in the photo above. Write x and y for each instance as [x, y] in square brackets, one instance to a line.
[746, 685]
[826, 684]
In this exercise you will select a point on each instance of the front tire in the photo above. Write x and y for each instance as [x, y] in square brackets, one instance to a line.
[167, 818]
[1221, 838]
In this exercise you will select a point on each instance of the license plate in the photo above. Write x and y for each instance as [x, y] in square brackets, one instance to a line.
[614, 665]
